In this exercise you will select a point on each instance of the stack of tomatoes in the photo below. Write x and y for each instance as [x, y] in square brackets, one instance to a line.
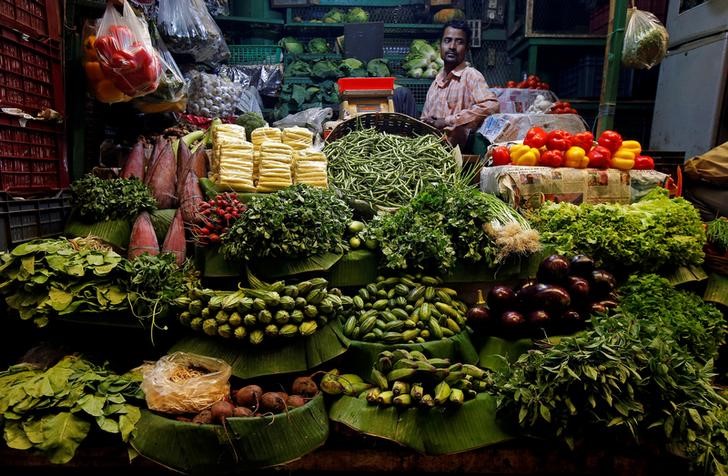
[559, 148]
[531, 82]
[562, 107]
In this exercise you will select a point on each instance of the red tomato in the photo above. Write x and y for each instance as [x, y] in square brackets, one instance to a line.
[501, 155]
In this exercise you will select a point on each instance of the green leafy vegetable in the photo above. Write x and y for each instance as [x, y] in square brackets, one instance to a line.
[250, 121]
[297, 68]
[643, 236]
[357, 15]
[645, 40]
[291, 45]
[318, 46]
[334, 16]
[717, 234]
[97, 199]
[295, 222]
[378, 68]
[325, 69]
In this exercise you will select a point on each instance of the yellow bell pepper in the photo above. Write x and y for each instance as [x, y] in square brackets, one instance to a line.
[632, 145]
[524, 155]
[623, 159]
[576, 158]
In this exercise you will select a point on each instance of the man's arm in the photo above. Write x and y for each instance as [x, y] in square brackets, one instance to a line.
[427, 107]
[485, 102]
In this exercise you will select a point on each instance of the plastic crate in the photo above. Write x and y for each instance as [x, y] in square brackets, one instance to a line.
[32, 158]
[39, 18]
[31, 77]
[29, 219]
[255, 54]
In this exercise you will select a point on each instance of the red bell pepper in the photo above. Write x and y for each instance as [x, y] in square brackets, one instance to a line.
[558, 140]
[122, 34]
[611, 140]
[599, 157]
[552, 158]
[585, 140]
[106, 46]
[535, 137]
[643, 162]
[501, 155]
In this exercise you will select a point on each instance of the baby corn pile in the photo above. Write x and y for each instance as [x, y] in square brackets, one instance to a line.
[257, 137]
[232, 158]
[310, 168]
[298, 138]
[276, 160]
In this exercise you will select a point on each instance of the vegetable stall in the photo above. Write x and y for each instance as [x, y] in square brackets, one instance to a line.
[241, 295]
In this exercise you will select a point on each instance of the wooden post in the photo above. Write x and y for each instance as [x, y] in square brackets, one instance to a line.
[612, 64]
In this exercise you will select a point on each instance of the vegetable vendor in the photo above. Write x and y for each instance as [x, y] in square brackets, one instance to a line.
[459, 99]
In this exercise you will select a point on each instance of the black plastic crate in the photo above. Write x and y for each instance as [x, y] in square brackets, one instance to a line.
[23, 220]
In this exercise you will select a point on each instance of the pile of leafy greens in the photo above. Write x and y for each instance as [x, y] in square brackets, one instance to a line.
[644, 372]
[52, 411]
[644, 236]
[297, 222]
[447, 223]
[97, 199]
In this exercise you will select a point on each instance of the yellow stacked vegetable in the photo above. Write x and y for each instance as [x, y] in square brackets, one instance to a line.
[276, 160]
[310, 168]
[232, 158]
[298, 138]
[257, 137]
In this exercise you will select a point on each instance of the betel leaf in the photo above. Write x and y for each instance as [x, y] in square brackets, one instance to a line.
[95, 259]
[108, 425]
[15, 437]
[28, 264]
[59, 299]
[128, 421]
[25, 249]
[92, 404]
[62, 434]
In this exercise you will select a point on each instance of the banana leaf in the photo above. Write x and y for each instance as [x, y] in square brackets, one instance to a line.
[211, 190]
[496, 353]
[361, 355]
[686, 274]
[281, 267]
[243, 444]
[114, 232]
[514, 267]
[433, 432]
[717, 289]
[355, 268]
[281, 357]
[161, 220]
[212, 264]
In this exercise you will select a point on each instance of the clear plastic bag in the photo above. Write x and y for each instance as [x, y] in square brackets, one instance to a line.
[188, 28]
[212, 95]
[125, 52]
[98, 84]
[185, 383]
[218, 7]
[171, 94]
[645, 40]
[312, 118]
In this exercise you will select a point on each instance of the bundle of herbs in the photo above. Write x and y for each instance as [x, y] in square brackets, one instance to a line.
[97, 199]
[644, 236]
[447, 223]
[634, 373]
[52, 411]
[717, 234]
[297, 222]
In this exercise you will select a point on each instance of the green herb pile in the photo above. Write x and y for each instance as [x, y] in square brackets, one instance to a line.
[97, 199]
[386, 170]
[56, 277]
[643, 236]
[53, 411]
[717, 234]
[297, 222]
[645, 40]
[448, 223]
[634, 373]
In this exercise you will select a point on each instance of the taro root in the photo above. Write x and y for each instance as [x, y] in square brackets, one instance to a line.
[305, 387]
[295, 401]
[249, 396]
[221, 410]
[274, 402]
[203, 418]
[242, 412]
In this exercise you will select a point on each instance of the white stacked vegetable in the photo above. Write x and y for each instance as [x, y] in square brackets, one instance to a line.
[232, 158]
[276, 161]
[423, 60]
[310, 168]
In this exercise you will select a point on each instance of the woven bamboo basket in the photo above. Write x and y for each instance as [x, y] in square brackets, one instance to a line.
[389, 122]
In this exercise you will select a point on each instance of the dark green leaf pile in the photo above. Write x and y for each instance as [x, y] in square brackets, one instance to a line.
[635, 373]
[643, 236]
[296, 222]
[97, 199]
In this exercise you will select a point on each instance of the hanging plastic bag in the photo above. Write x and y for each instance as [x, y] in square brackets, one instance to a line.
[125, 52]
[98, 83]
[188, 28]
[645, 40]
[218, 7]
[171, 94]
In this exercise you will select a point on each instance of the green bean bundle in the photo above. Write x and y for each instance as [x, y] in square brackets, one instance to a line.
[387, 170]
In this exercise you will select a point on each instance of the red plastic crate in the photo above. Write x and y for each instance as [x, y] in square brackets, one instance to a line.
[359, 84]
[32, 158]
[31, 77]
[39, 18]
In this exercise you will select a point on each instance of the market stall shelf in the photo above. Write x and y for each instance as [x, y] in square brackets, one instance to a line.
[243, 444]
[435, 431]
[249, 361]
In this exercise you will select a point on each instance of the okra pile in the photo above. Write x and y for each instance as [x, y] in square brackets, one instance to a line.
[253, 314]
[405, 309]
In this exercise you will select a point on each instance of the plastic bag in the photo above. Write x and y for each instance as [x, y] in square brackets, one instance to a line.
[185, 383]
[125, 52]
[211, 95]
[312, 118]
[645, 40]
[218, 7]
[171, 94]
[267, 79]
[188, 28]
[99, 85]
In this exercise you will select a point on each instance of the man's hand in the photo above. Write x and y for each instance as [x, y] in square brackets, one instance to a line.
[435, 122]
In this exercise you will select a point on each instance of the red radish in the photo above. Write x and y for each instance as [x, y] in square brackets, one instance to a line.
[190, 198]
[143, 238]
[161, 178]
[175, 242]
[134, 165]
[184, 165]
[199, 162]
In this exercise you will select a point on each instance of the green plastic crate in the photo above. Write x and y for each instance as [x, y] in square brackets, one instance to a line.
[255, 54]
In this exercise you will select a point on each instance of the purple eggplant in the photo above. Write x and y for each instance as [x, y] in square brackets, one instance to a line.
[553, 270]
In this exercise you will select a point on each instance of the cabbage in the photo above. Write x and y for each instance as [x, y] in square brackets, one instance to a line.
[291, 45]
[318, 45]
[334, 16]
[298, 68]
[324, 69]
[430, 72]
[378, 68]
[416, 62]
[416, 73]
[423, 49]
[357, 15]
[350, 64]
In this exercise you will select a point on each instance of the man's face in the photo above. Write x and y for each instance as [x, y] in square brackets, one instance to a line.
[453, 46]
